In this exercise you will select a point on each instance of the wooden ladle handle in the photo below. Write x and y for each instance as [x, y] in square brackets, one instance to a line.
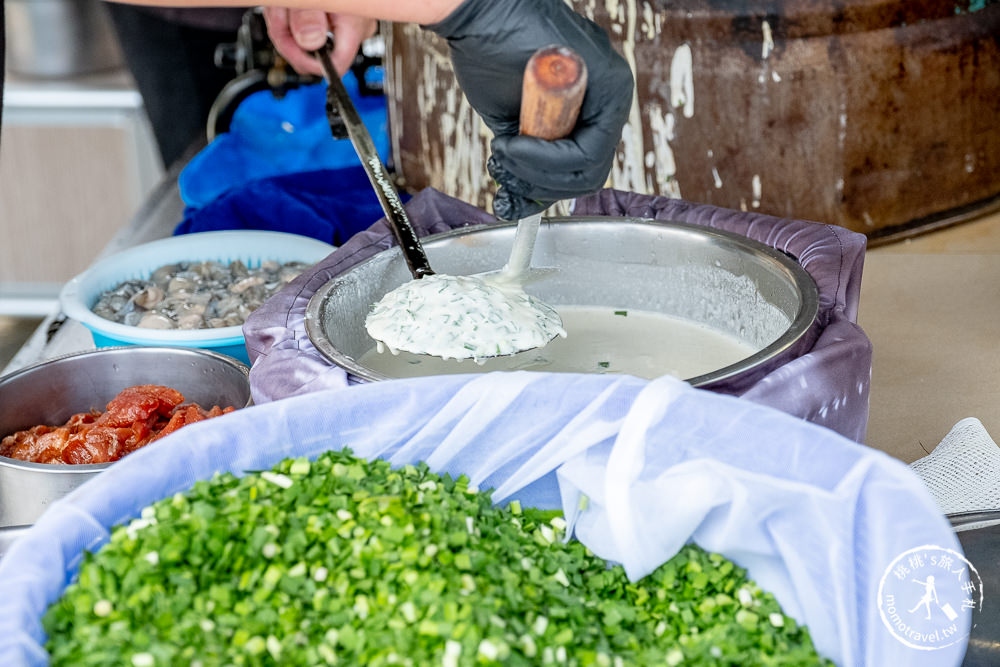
[555, 80]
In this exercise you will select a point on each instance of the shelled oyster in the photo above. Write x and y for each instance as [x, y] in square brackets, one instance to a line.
[195, 295]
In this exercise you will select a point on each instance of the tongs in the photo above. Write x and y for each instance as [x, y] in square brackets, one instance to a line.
[343, 117]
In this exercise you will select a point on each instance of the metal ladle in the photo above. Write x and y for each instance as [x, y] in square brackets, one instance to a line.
[342, 114]
[554, 84]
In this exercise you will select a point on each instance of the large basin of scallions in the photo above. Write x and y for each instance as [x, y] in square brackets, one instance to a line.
[347, 561]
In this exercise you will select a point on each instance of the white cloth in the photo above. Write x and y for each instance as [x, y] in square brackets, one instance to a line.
[963, 471]
[815, 518]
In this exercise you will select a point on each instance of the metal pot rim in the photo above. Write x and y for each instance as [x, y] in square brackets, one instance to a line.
[71, 468]
[808, 309]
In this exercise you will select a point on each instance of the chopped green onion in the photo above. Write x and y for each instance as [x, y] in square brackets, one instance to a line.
[347, 561]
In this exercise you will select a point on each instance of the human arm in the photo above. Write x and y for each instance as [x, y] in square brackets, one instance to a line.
[410, 11]
[297, 27]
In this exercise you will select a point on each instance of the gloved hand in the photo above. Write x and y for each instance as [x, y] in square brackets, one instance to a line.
[491, 43]
[297, 32]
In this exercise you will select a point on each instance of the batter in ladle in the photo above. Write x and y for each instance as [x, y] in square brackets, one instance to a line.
[461, 317]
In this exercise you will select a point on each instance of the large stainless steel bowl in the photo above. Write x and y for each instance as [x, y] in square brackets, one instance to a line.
[720, 279]
[52, 391]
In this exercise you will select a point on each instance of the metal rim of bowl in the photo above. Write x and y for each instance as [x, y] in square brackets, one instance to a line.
[973, 520]
[70, 468]
[808, 309]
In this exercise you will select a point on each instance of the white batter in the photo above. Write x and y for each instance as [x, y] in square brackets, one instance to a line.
[462, 317]
[600, 340]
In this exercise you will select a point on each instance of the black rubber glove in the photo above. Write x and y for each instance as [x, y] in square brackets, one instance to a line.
[491, 42]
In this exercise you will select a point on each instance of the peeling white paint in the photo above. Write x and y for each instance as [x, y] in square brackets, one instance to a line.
[716, 178]
[464, 138]
[842, 128]
[868, 219]
[755, 182]
[628, 172]
[682, 80]
[662, 127]
[710, 153]
[393, 73]
[640, 166]
[616, 11]
[767, 46]
[649, 25]
[671, 125]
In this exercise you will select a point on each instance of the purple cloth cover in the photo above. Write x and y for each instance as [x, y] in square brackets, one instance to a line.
[824, 378]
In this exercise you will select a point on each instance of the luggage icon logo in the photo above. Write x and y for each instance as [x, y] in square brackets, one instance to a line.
[928, 596]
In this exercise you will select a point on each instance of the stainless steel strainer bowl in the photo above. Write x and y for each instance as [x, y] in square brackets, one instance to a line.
[719, 279]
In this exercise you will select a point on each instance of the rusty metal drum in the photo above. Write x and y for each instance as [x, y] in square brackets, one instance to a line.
[876, 115]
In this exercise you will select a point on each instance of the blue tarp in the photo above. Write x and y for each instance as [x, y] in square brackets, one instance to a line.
[278, 168]
[330, 205]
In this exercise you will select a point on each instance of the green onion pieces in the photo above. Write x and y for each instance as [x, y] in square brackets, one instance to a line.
[346, 561]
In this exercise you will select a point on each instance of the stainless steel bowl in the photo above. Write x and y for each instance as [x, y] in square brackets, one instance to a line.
[979, 535]
[52, 391]
[720, 279]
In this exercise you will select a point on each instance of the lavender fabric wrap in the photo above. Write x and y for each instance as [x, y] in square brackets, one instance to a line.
[824, 378]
